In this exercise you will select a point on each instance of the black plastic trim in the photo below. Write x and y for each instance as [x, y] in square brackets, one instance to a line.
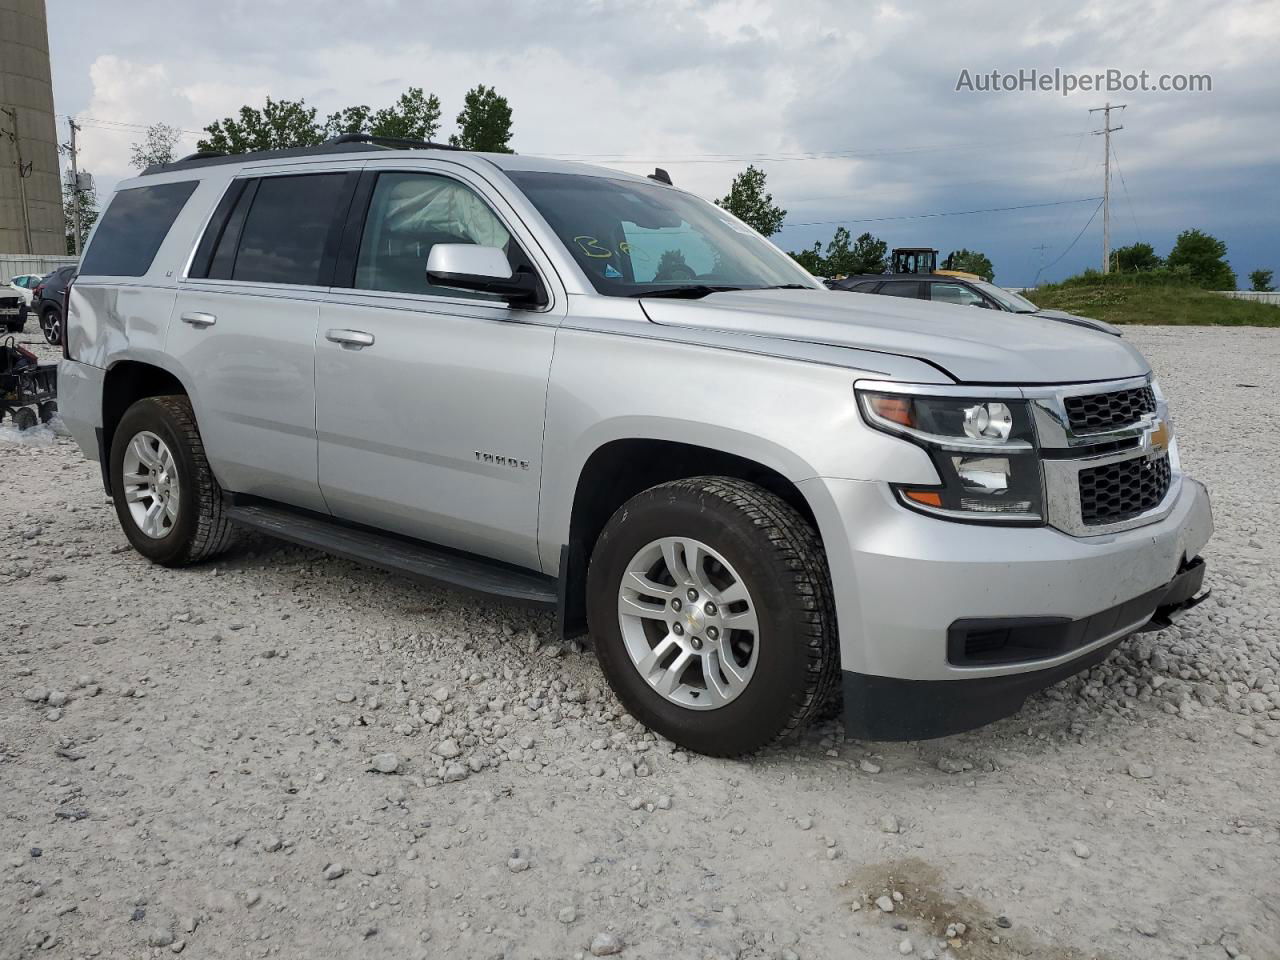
[213, 232]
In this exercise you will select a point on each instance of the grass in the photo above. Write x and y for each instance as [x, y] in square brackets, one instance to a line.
[1172, 304]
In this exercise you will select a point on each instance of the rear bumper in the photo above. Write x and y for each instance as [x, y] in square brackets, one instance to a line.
[888, 708]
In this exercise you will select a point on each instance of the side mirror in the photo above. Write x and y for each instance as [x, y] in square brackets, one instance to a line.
[466, 266]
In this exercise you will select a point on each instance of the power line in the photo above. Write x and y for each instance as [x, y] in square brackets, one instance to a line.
[1003, 146]
[949, 213]
[1137, 232]
[1073, 242]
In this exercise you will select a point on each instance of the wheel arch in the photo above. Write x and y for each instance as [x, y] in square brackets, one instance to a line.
[620, 468]
[125, 383]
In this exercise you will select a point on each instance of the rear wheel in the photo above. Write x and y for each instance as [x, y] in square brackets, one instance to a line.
[710, 603]
[51, 325]
[166, 498]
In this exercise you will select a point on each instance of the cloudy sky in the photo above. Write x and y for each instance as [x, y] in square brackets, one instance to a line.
[851, 108]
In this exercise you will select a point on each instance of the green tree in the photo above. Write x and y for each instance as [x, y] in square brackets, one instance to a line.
[811, 259]
[88, 201]
[279, 124]
[1205, 257]
[869, 255]
[348, 120]
[156, 147]
[414, 116]
[484, 123]
[970, 261]
[840, 259]
[1135, 258]
[1260, 281]
[748, 201]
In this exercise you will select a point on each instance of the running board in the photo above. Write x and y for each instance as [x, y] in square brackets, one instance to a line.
[413, 559]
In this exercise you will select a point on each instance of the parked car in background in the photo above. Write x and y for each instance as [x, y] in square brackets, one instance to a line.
[13, 310]
[949, 288]
[25, 284]
[47, 302]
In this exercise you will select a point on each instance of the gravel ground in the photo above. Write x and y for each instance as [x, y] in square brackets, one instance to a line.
[287, 755]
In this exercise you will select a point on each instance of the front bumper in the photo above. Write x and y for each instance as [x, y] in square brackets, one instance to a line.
[903, 583]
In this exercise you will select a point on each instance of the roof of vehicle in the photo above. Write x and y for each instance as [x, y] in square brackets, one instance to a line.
[861, 277]
[509, 162]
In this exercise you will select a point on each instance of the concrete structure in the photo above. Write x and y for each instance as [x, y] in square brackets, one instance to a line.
[31, 220]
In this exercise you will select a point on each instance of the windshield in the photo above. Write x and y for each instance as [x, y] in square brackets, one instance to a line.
[1006, 298]
[633, 239]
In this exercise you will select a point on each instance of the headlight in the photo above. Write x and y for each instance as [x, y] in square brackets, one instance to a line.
[984, 451]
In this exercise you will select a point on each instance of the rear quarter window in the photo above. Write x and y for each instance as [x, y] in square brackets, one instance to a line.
[131, 231]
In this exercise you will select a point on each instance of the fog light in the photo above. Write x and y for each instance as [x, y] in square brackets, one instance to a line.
[988, 421]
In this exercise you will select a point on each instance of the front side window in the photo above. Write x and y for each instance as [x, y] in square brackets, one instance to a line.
[634, 238]
[955, 293]
[130, 233]
[1007, 298]
[285, 230]
[409, 213]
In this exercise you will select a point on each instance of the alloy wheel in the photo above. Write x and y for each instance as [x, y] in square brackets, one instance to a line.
[151, 485]
[688, 623]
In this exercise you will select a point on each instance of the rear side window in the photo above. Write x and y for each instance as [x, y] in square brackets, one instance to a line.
[900, 288]
[132, 229]
[285, 232]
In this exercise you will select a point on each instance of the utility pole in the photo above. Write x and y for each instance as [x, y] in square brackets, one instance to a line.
[1105, 132]
[24, 171]
[75, 184]
[1041, 248]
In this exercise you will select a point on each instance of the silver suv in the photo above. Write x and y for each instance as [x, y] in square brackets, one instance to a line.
[575, 388]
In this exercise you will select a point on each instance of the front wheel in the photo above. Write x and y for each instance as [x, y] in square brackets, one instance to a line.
[166, 498]
[710, 603]
[51, 325]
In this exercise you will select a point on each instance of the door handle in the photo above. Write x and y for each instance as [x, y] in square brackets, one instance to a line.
[350, 338]
[198, 319]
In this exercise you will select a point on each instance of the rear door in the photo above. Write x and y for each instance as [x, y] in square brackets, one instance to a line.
[433, 427]
[245, 327]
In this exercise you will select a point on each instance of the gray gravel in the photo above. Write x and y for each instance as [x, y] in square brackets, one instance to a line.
[284, 754]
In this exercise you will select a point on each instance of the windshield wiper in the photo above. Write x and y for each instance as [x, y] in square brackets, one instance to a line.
[692, 291]
[788, 286]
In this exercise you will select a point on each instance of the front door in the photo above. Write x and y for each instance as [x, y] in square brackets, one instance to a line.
[430, 401]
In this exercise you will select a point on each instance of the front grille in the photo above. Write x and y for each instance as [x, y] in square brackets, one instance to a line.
[1121, 491]
[1106, 411]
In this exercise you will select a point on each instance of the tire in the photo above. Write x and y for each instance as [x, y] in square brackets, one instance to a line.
[24, 418]
[51, 325]
[196, 529]
[47, 410]
[744, 535]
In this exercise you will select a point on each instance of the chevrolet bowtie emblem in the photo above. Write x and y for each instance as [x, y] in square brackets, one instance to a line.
[1159, 437]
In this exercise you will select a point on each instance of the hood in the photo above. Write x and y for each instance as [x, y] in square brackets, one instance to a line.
[972, 346]
[1075, 318]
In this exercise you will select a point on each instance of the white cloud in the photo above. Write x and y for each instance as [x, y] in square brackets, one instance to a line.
[671, 83]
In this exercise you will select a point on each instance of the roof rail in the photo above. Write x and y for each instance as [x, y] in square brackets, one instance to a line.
[397, 143]
[202, 155]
